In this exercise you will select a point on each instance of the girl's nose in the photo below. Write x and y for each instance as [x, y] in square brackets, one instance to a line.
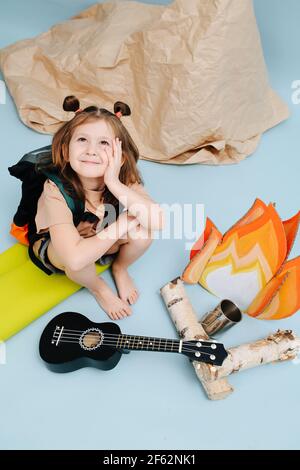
[91, 150]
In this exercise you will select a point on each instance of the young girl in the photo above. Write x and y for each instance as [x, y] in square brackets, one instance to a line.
[96, 159]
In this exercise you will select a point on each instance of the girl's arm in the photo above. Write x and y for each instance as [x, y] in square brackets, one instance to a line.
[75, 252]
[139, 205]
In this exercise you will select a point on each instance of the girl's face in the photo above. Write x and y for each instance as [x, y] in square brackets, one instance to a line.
[87, 149]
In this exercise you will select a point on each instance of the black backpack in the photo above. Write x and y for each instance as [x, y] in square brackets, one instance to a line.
[23, 227]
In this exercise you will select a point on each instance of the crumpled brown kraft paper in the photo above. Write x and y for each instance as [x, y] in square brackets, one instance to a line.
[193, 74]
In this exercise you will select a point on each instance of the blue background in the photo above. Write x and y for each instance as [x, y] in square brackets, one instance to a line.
[154, 401]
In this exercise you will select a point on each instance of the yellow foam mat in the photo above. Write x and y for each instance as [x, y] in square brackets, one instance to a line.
[26, 292]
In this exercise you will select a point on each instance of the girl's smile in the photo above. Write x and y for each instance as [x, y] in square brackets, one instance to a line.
[90, 162]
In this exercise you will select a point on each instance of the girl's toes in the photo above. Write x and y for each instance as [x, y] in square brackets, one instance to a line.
[133, 297]
[112, 315]
[126, 308]
[126, 313]
[121, 314]
[115, 316]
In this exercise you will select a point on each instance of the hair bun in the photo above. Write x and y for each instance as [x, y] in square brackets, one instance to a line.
[123, 107]
[71, 103]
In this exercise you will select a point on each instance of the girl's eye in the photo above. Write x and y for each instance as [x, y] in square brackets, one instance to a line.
[81, 139]
[104, 142]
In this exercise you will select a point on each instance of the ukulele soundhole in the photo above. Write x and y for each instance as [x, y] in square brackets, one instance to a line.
[91, 339]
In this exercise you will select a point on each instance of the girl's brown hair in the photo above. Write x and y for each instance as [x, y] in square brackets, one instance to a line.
[129, 173]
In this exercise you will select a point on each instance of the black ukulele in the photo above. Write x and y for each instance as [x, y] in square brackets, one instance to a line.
[71, 341]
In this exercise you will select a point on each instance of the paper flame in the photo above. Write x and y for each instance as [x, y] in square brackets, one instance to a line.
[249, 263]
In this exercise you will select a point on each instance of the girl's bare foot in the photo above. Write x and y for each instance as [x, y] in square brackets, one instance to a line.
[115, 307]
[125, 285]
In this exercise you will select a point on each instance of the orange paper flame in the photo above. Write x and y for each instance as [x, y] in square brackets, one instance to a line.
[248, 264]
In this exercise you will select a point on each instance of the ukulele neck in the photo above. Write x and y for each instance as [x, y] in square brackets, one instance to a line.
[146, 343]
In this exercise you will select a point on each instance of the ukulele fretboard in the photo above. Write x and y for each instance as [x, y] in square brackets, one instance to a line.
[146, 343]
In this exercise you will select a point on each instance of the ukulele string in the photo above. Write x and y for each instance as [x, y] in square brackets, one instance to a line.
[156, 343]
[113, 344]
[198, 340]
[117, 336]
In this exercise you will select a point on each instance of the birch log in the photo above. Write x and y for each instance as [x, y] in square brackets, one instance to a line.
[186, 323]
[280, 346]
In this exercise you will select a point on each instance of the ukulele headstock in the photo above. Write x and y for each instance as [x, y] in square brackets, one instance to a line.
[210, 352]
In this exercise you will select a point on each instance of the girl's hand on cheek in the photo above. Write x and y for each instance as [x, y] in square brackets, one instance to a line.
[114, 163]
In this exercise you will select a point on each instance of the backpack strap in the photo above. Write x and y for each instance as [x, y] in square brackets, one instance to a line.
[75, 205]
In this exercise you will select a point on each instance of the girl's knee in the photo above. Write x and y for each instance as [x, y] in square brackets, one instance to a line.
[141, 235]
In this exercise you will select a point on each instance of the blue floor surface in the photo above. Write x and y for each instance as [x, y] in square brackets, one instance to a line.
[154, 400]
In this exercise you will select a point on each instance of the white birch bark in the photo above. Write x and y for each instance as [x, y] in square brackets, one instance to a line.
[280, 346]
[188, 327]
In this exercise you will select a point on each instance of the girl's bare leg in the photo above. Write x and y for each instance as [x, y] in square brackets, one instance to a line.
[129, 250]
[115, 307]
[128, 253]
